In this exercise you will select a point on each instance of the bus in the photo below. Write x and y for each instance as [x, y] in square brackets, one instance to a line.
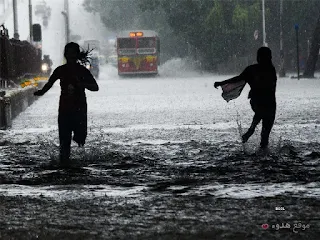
[138, 52]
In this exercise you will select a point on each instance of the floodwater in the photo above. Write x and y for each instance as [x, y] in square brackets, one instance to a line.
[164, 160]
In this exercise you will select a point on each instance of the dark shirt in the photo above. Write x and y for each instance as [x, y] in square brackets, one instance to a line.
[74, 98]
[262, 80]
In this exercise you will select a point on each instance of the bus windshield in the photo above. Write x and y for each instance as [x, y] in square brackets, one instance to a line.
[146, 43]
[126, 43]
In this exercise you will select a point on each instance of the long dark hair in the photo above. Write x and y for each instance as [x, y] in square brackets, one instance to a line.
[83, 55]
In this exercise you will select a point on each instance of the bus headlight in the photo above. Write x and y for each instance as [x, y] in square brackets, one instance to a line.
[44, 67]
[88, 66]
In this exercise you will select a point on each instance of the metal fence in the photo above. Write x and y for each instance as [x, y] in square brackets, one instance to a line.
[17, 59]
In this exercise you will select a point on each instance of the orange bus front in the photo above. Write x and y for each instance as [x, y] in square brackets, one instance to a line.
[137, 55]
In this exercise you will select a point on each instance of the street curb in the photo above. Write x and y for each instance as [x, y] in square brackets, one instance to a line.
[16, 101]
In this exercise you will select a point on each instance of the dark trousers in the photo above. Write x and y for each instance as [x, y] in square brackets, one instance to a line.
[267, 114]
[72, 121]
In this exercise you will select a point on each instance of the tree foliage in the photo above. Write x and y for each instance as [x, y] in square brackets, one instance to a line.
[216, 29]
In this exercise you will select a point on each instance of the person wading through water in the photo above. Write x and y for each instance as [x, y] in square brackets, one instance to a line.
[262, 80]
[74, 79]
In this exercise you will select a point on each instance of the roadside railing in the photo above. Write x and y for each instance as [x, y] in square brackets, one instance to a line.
[17, 58]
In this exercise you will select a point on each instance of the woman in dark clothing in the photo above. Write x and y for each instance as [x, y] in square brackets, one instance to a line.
[262, 79]
[74, 79]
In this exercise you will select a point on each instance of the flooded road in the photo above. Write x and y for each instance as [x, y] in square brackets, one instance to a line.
[164, 160]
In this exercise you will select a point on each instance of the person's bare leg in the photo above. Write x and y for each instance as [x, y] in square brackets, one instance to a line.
[267, 124]
[255, 121]
[65, 132]
[80, 127]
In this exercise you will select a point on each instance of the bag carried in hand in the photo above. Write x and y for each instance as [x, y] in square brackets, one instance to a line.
[231, 91]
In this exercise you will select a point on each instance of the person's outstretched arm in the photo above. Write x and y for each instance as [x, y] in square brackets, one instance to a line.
[54, 77]
[242, 77]
[231, 80]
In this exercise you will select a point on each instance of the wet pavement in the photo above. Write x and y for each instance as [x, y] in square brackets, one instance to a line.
[164, 160]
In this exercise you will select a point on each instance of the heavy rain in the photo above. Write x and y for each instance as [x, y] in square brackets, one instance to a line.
[164, 156]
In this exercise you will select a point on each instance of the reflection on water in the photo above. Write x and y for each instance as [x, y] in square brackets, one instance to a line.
[137, 161]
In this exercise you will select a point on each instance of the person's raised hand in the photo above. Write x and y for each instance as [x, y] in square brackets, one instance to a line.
[216, 84]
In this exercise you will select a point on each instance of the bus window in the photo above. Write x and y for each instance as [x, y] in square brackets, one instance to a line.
[126, 43]
[146, 43]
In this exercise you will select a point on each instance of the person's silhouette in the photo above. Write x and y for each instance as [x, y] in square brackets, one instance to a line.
[47, 60]
[262, 80]
[74, 79]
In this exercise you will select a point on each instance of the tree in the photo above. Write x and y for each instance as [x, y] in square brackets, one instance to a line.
[116, 15]
[216, 29]
[314, 52]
